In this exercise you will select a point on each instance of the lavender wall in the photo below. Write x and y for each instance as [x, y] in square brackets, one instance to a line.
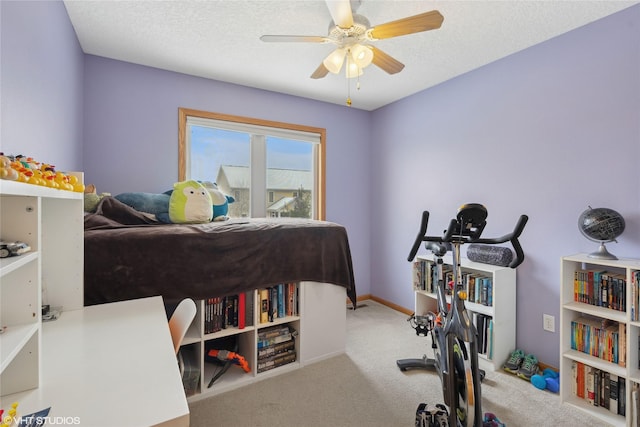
[41, 84]
[545, 132]
[131, 137]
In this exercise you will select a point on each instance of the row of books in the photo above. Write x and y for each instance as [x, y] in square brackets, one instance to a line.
[225, 312]
[601, 288]
[277, 302]
[601, 338]
[484, 326]
[599, 388]
[479, 287]
[276, 347]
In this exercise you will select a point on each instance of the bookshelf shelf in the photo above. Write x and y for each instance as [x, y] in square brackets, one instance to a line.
[321, 333]
[589, 287]
[501, 311]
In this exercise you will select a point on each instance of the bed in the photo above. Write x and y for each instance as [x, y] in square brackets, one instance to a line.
[130, 255]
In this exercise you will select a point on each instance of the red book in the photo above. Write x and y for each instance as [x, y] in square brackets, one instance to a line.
[241, 310]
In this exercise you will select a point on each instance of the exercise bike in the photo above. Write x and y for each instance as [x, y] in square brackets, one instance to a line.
[453, 334]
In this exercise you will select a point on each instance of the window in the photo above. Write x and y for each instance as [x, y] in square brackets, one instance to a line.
[272, 169]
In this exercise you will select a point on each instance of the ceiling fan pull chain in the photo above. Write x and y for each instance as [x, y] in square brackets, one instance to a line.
[348, 83]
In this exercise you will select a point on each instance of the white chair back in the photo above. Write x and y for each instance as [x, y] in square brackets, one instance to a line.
[181, 320]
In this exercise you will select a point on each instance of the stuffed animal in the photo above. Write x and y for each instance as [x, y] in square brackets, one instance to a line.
[190, 202]
[92, 198]
[220, 201]
[6, 171]
[151, 203]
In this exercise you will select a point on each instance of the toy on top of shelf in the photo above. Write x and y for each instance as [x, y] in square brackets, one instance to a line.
[8, 249]
[190, 203]
[6, 171]
[219, 201]
[92, 198]
[26, 169]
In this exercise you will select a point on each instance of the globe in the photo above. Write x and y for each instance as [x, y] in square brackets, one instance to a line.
[601, 225]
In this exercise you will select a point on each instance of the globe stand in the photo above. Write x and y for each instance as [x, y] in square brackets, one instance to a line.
[602, 253]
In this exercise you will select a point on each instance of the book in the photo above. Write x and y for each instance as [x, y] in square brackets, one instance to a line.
[596, 386]
[490, 339]
[622, 406]
[275, 349]
[590, 390]
[580, 383]
[262, 343]
[574, 377]
[227, 315]
[606, 395]
[613, 393]
[249, 302]
[273, 332]
[281, 301]
[418, 271]
[634, 406]
[273, 303]
[264, 305]
[633, 303]
[276, 361]
[622, 344]
[291, 299]
[242, 311]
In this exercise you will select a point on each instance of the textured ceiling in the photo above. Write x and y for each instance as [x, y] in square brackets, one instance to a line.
[221, 40]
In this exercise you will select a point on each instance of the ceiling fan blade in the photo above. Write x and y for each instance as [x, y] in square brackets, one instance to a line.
[386, 62]
[340, 11]
[412, 24]
[295, 39]
[320, 72]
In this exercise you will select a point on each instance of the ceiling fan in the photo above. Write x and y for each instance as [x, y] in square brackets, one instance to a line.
[352, 34]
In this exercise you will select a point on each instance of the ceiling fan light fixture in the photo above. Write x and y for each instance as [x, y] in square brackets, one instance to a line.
[362, 55]
[333, 62]
[352, 70]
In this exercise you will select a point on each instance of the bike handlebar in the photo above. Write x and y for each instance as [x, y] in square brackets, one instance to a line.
[448, 237]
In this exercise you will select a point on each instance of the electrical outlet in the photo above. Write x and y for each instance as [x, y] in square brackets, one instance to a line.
[548, 323]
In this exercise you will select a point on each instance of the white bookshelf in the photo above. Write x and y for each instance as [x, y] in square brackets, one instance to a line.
[320, 324]
[502, 310]
[50, 222]
[570, 310]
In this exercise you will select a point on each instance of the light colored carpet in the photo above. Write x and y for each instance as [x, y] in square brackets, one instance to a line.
[364, 387]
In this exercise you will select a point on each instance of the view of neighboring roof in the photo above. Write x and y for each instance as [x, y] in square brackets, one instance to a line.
[277, 179]
[281, 204]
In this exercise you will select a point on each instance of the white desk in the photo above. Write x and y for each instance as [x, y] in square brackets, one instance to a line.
[108, 365]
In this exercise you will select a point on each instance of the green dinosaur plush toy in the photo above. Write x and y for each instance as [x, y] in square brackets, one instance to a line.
[190, 203]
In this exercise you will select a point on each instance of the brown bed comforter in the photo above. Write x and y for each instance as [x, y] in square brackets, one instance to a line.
[129, 255]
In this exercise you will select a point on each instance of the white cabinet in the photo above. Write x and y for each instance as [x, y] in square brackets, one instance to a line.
[495, 317]
[599, 335]
[320, 324]
[50, 222]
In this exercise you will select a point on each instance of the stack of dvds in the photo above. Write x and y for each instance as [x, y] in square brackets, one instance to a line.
[276, 347]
